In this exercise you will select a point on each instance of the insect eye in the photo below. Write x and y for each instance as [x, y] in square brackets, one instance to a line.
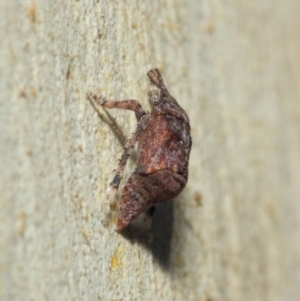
[154, 94]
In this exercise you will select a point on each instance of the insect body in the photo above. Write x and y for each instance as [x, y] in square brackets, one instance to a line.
[163, 156]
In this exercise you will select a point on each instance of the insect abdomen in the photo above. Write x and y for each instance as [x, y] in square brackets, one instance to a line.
[143, 191]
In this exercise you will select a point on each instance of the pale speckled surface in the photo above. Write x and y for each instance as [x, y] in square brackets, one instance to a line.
[233, 66]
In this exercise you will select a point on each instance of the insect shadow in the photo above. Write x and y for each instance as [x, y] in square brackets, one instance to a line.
[158, 239]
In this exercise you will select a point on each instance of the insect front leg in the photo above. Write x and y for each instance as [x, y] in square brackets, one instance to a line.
[128, 104]
[132, 105]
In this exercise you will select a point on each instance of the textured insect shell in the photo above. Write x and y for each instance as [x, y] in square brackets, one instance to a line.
[165, 144]
[162, 168]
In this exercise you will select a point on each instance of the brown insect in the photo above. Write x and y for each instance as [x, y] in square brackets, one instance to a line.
[163, 155]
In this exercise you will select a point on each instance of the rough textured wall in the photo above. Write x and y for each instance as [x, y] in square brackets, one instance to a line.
[234, 66]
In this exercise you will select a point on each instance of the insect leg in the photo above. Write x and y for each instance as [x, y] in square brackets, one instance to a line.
[128, 104]
[149, 216]
[142, 125]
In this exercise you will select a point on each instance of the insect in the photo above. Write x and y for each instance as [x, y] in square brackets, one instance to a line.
[163, 154]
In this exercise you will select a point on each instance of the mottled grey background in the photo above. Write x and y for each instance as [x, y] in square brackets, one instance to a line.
[234, 66]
